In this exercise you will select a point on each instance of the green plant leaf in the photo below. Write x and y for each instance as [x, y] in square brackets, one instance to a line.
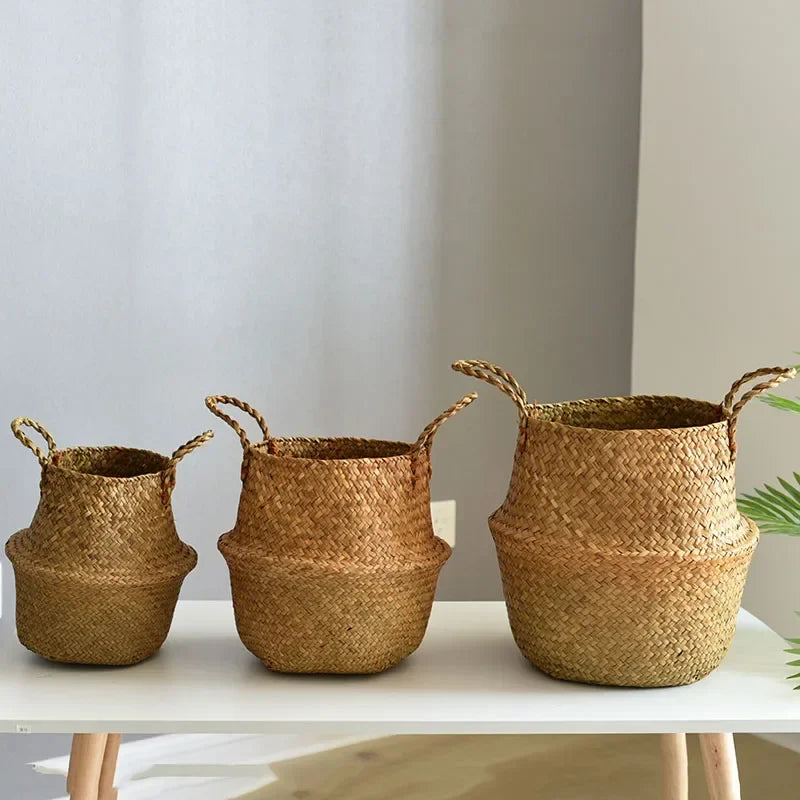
[781, 403]
[777, 507]
[775, 511]
[790, 490]
[767, 522]
[785, 501]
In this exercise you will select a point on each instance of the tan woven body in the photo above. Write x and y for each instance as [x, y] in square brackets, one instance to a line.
[622, 552]
[333, 559]
[99, 570]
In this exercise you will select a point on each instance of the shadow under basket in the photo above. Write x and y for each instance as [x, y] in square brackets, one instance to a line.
[621, 548]
[99, 570]
[333, 560]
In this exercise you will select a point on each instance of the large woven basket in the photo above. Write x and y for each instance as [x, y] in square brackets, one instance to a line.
[622, 552]
[333, 560]
[99, 569]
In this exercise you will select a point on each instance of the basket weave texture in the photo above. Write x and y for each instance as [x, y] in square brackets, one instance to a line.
[622, 552]
[333, 560]
[99, 569]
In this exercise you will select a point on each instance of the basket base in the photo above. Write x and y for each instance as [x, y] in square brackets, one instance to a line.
[642, 620]
[311, 621]
[82, 623]
[617, 680]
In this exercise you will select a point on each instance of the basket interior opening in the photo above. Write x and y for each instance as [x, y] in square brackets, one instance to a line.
[337, 449]
[112, 462]
[632, 413]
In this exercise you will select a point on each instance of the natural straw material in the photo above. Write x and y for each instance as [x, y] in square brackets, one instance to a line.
[99, 569]
[622, 552]
[333, 559]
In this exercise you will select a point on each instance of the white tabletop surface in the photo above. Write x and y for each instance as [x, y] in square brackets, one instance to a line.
[467, 677]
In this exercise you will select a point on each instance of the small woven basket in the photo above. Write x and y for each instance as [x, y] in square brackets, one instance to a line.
[622, 552]
[333, 560]
[99, 569]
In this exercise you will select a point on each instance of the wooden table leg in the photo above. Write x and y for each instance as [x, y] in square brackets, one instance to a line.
[105, 786]
[85, 765]
[722, 772]
[675, 766]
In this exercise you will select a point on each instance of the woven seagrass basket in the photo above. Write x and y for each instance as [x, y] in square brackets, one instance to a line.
[333, 560]
[99, 569]
[622, 552]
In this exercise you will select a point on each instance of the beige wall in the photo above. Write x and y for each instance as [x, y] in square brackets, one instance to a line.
[718, 241]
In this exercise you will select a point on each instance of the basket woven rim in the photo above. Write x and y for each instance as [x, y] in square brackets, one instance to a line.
[721, 422]
[184, 563]
[54, 465]
[261, 448]
[249, 556]
[510, 533]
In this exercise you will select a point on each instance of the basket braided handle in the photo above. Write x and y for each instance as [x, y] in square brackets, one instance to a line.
[425, 440]
[168, 475]
[496, 376]
[16, 427]
[732, 408]
[215, 401]
[426, 437]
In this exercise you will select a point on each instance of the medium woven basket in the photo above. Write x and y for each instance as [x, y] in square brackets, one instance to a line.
[622, 552]
[99, 569]
[333, 560]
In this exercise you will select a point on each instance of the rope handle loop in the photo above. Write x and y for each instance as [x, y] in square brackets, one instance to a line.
[168, 476]
[732, 408]
[496, 376]
[425, 439]
[213, 403]
[16, 427]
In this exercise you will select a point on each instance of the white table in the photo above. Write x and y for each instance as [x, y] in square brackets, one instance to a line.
[467, 677]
